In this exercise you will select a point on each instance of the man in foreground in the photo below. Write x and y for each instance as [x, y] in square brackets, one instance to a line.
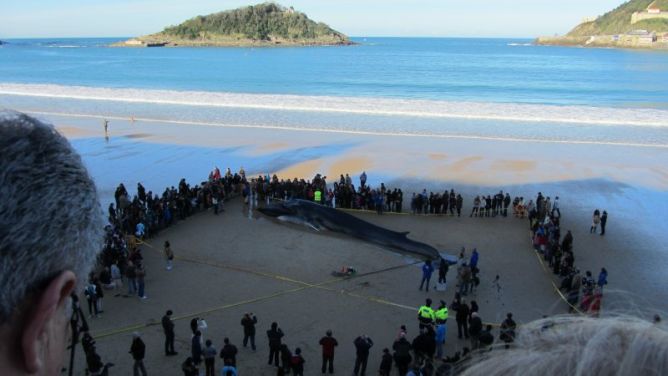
[51, 229]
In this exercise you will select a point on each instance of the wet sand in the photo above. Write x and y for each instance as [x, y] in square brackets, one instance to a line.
[282, 272]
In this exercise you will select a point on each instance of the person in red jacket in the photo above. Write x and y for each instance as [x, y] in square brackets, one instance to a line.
[328, 344]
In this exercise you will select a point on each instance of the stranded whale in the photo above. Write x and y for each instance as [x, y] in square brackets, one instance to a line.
[318, 217]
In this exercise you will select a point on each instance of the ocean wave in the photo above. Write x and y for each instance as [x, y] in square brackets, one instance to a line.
[519, 44]
[355, 105]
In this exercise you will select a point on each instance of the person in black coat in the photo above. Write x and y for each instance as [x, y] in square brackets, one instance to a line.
[486, 338]
[402, 353]
[138, 351]
[274, 335]
[248, 322]
[196, 348]
[229, 353]
[475, 328]
[168, 328]
[362, 346]
[443, 268]
[385, 363]
[462, 318]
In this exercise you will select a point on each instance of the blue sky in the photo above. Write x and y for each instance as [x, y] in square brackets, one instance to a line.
[449, 18]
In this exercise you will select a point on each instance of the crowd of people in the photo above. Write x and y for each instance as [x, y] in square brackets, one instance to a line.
[583, 293]
[43, 178]
[143, 214]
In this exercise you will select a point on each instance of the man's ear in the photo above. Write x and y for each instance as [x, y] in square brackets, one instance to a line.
[41, 316]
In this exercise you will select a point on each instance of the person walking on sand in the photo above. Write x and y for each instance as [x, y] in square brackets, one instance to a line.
[427, 269]
[105, 122]
[328, 344]
[138, 350]
[596, 218]
[169, 255]
[248, 322]
[604, 220]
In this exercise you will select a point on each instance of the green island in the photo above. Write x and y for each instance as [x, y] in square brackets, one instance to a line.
[634, 24]
[261, 25]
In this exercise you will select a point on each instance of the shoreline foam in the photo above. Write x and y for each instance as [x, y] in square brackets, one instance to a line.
[539, 113]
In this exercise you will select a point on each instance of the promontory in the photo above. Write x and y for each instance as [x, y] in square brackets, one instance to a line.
[262, 25]
[634, 24]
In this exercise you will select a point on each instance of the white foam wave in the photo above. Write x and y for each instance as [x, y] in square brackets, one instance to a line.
[520, 44]
[355, 105]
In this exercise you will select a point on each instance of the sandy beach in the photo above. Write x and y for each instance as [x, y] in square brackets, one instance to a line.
[242, 261]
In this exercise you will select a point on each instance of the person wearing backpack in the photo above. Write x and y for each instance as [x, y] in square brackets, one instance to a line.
[297, 362]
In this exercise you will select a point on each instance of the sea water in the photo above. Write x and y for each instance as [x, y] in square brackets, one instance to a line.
[478, 70]
[437, 87]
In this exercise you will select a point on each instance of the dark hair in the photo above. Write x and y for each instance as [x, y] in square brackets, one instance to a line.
[208, 342]
[329, 332]
[169, 312]
[226, 340]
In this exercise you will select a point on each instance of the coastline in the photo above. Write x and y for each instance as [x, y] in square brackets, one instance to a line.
[162, 40]
[598, 41]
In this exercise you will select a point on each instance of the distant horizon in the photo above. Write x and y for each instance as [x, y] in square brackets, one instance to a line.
[350, 36]
[44, 19]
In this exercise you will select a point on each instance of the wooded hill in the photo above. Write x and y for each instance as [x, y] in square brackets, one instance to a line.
[262, 24]
[618, 20]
